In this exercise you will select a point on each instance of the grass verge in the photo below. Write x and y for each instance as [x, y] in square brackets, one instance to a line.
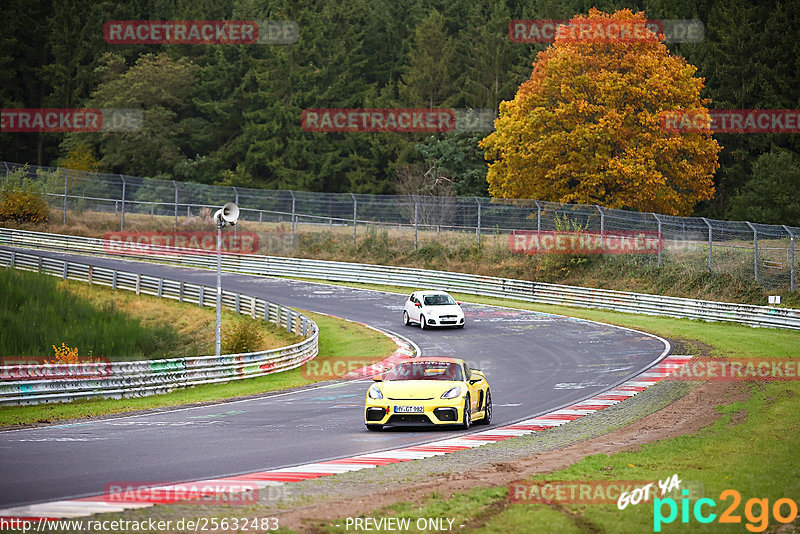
[39, 311]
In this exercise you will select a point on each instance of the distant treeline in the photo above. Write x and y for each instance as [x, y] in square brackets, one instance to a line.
[230, 114]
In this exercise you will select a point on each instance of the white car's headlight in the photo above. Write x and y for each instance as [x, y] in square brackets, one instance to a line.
[452, 393]
[375, 393]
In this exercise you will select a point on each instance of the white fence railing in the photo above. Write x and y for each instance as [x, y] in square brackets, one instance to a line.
[507, 288]
[34, 383]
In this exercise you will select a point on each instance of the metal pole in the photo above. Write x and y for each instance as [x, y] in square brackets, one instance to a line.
[710, 242]
[293, 219]
[219, 290]
[791, 257]
[755, 250]
[175, 224]
[355, 212]
[538, 217]
[602, 227]
[66, 183]
[660, 238]
[416, 219]
[122, 219]
[6, 165]
[479, 219]
[236, 194]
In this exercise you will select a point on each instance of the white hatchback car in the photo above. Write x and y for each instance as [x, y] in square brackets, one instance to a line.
[433, 308]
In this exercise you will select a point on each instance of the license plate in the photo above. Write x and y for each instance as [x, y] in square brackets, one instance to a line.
[409, 409]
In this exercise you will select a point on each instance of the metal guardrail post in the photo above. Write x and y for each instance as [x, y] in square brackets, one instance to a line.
[355, 219]
[791, 256]
[175, 224]
[291, 240]
[755, 250]
[660, 238]
[66, 184]
[710, 242]
[122, 219]
[479, 219]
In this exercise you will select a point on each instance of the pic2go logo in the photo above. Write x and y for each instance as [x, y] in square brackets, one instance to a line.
[757, 522]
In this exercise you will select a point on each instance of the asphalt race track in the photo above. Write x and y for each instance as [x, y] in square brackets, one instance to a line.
[534, 362]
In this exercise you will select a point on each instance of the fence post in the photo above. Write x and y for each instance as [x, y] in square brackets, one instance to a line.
[175, 224]
[538, 217]
[755, 250]
[791, 257]
[122, 219]
[355, 213]
[710, 242]
[66, 184]
[416, 219]
[602, 228]
[660, 239]
[479, 219]
[6, 165]
[293, 202]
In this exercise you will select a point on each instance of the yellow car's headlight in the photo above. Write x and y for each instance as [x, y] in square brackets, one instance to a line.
[375, 393]
[452, 393]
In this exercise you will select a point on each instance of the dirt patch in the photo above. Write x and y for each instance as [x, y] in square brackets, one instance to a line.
[686, 415]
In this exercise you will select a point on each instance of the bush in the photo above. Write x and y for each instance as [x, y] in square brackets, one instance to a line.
[23, 206]
[241, 336]
[22, 200]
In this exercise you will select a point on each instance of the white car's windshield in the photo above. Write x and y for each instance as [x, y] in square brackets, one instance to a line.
[438, 300]
[425, 371]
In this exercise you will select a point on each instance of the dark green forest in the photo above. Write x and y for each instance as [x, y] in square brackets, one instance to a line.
[230, 114]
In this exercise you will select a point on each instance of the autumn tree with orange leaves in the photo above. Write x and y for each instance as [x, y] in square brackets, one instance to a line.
[586, 127]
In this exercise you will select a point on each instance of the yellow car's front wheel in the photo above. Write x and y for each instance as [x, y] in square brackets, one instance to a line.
[465, 424]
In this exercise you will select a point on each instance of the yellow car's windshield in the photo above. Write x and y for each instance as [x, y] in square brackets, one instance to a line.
[425, 371]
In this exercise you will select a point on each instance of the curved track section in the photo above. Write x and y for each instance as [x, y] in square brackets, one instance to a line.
[536, 363]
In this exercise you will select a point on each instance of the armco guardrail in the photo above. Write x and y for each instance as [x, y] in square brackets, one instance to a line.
[30, 384]
[466, 283]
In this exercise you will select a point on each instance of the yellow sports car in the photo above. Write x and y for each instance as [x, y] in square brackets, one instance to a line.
[429, 391]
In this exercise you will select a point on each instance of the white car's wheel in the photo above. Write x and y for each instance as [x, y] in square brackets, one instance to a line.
[422, 322]
[406, 320]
